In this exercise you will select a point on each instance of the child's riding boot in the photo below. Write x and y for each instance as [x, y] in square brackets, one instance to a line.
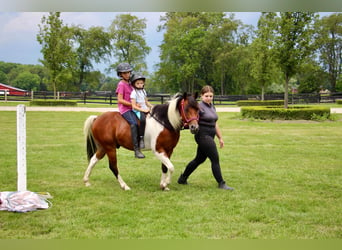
[134, 131]
[141, 142]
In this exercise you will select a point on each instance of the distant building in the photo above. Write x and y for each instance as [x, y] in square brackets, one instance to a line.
[11, 90]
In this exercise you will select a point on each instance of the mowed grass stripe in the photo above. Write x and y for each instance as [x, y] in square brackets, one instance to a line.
[286, 175]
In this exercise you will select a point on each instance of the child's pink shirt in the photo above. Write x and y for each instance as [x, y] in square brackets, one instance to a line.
[125, 90]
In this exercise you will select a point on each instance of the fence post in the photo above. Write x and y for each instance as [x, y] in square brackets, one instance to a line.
[85, 97]
[21, 148]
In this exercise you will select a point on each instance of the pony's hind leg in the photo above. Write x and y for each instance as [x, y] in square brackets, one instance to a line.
[114, 168]
[94, 159]
[123, 184]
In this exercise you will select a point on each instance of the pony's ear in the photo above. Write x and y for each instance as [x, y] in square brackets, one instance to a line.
[196, 95]
[185, 95]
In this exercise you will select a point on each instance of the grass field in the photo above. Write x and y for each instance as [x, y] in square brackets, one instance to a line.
[287, 178]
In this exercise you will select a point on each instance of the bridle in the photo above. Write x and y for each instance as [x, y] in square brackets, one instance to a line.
[186, 120]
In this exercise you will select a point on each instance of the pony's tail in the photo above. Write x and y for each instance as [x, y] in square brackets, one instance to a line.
[90, 142]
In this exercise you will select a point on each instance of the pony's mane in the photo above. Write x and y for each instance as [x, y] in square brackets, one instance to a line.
[167, 114]
[172, 112]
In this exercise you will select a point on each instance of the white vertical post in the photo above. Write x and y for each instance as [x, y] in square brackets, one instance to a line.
[21, 148]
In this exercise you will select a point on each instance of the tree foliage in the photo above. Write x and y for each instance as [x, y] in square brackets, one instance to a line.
[56, 44]
[199, 48]
[286, 49]
[89, 46]
[129, 45]
[329, 42]
[263, 60]
[293, 43]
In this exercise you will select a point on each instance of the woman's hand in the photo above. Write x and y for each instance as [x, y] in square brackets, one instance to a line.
[221, 142]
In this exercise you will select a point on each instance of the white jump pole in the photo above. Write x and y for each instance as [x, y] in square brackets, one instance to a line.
[21, 148]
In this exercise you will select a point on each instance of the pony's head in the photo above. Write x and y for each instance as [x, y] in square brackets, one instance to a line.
[187, 112]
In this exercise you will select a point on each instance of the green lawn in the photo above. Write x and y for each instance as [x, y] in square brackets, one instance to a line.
[287, 178]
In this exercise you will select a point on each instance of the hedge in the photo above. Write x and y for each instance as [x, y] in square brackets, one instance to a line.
[292, 113]
[260, 103]
[52, 103]
[339, 101]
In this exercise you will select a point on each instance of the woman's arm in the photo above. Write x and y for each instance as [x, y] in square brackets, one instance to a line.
[219, 135]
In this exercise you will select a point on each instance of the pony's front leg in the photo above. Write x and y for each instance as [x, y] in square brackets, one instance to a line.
[165, 179]
[167, 171]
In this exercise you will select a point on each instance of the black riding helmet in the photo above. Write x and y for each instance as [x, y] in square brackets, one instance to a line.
[136, 76]
[123, 67]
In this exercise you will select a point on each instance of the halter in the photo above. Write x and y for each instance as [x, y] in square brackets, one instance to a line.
[184, 118]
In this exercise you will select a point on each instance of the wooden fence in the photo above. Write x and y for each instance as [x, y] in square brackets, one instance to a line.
[109, 97]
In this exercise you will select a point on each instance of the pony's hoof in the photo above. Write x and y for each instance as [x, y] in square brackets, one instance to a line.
[87, 184]
[126, 188]
[164, 187]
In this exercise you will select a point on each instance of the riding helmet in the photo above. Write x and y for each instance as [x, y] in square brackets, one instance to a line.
[136, 76]
[123, 67]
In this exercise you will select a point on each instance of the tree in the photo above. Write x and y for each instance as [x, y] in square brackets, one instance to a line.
[129, 45]
[92, 45]
[28, 81]
[293, 43]
[204, 48]
[186, 52]
[3, 77]
[329, 42]
[263, 66]
[311, 77]
[220, 61]
[57, 53]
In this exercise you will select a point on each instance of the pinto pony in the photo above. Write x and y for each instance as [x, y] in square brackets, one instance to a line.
[107, 132]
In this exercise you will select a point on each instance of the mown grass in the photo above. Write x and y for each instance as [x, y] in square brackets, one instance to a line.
[287, 178]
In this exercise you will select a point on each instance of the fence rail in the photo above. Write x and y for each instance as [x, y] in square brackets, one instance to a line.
[110, 98]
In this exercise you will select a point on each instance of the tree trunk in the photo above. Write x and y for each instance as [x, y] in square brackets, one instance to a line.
[222, 79]
[286, 95]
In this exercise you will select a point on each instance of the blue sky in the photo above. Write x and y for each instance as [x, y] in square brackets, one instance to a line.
[18, 31]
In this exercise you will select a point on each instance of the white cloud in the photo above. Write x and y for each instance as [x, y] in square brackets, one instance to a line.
[19, 27]
[87, 19]
[23, 22]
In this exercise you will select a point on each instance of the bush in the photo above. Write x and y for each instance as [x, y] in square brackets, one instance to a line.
[260, 103]
[292, 113]
[52, 103]
[339, 101]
